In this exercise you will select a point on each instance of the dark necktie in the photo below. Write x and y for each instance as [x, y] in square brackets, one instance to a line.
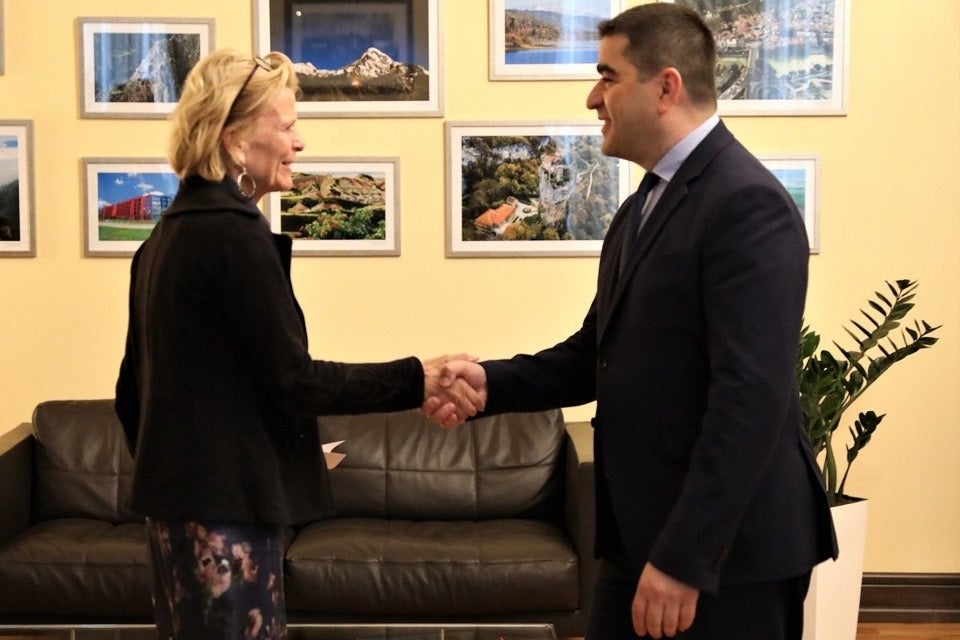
[635, 215]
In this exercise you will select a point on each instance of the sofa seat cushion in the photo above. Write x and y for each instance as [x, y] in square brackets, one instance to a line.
[364, 566]
[76, 567]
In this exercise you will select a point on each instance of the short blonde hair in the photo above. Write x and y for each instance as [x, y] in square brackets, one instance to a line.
[213, 97]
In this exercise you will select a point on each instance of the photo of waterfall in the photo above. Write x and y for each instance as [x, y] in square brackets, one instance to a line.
[135, 69]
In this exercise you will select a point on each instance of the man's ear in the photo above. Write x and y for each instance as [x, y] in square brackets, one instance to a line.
[671, 88]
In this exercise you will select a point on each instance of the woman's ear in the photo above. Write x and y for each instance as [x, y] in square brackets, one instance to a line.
[233, 146]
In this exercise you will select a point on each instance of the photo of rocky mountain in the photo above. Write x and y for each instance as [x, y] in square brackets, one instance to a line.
[334, 206]
[372, 76]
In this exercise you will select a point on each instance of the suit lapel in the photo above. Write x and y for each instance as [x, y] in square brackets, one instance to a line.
[672, 198]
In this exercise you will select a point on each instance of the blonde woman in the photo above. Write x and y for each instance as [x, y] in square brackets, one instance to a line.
[217, 392]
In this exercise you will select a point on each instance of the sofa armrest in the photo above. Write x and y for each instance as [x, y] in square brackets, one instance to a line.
[580, 503]
[16, 471]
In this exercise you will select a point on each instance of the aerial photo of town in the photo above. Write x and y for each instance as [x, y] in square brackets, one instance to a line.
[772, 49]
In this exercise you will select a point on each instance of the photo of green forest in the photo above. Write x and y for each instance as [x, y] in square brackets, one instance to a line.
[536, 187]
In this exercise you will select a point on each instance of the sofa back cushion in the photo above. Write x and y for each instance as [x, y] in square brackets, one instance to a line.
[82, 468]
[400, 466]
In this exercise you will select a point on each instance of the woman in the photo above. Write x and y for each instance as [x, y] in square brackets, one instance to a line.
[217, 392]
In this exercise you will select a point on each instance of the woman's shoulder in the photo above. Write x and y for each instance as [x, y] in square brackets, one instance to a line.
[197, 195]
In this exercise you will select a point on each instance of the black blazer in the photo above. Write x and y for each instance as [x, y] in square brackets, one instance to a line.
[217, 392]
[702, 466]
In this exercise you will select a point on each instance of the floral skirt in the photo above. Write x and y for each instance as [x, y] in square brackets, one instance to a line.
[217, 581]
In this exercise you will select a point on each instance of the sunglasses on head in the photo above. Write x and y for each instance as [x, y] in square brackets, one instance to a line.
[258, 63]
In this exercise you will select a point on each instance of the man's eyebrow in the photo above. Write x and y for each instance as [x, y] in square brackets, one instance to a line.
[605, 68]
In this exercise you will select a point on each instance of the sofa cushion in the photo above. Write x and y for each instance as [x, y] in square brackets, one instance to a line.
[82, 468]
[363, 566]
[400, 465]
[76, 567]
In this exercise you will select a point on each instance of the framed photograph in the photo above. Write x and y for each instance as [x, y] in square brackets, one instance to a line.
[534, 189]
[1, 38]
[17, 218]
[357, 58]
[136, 67]
[800, 175]
[779, 58]
[546, 39]
[340, 207]
[123, 200]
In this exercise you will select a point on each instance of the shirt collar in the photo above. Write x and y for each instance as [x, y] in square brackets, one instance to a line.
[672, 159]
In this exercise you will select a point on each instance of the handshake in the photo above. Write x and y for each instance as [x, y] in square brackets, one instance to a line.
[454, 389]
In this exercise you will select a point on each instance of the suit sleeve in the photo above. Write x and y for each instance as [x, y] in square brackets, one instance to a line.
[561, 376]
[754, 277]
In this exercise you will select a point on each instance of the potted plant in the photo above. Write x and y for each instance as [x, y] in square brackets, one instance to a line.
[829, 385]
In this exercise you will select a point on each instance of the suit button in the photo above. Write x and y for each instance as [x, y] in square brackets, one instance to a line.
[603, 364]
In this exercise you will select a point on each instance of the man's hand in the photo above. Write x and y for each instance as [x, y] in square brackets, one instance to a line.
[662, 606]
[458, 377]
[451, 399]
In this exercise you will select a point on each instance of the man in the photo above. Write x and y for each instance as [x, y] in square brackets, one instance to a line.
[710, 508]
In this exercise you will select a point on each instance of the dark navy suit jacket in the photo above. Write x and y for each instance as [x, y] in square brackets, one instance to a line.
[702, 466]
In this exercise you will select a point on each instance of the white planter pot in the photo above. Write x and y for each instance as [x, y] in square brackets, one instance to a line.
[832, 606]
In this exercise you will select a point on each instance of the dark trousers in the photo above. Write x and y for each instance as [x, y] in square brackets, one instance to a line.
[214, 581]
[763, 611]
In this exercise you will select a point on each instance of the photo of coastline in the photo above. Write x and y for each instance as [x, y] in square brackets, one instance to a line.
[557, 32]
[798, 175]
[552, 32]
[546, 38]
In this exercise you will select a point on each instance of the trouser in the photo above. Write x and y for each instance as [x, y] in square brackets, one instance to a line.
[217, 581]
[762, 611]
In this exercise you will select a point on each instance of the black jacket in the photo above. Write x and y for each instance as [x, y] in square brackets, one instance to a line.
[702, 466]
[217, 392]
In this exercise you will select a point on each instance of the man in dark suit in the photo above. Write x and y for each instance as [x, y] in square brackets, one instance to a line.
[710, 507]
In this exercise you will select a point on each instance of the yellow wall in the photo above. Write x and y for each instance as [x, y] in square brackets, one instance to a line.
[890, 207]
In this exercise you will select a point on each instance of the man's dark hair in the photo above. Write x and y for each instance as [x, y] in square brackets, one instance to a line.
[669, 35]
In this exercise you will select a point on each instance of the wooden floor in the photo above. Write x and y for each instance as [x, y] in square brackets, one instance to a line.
[897, 631]
[880, 631]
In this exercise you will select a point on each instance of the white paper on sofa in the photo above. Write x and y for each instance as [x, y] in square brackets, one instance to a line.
[332, 457]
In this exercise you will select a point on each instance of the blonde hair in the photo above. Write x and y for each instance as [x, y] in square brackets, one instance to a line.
[213, 97]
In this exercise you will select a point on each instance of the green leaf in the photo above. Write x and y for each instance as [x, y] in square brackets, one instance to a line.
[829, 385]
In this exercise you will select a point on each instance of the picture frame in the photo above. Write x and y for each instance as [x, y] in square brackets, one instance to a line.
[568, 51]
[530, 189]
[800, 176]
[806, 72]
[2, 39]
[136, 67]
[340, 206]
[123, 199]
[358, 58]
[18, 232]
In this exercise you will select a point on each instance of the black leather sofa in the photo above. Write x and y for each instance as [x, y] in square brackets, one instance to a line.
[491, 522]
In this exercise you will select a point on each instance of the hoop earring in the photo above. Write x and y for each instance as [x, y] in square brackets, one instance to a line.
[253, 183]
